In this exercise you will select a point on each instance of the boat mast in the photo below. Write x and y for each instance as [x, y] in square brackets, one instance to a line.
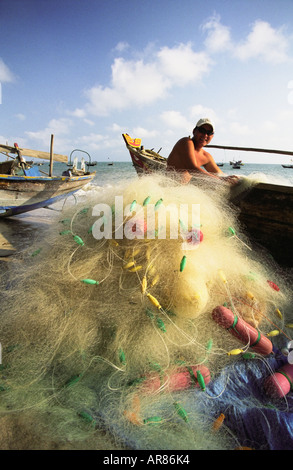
[51, 156]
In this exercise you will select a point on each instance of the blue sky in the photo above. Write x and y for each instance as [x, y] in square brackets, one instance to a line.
[89, 70]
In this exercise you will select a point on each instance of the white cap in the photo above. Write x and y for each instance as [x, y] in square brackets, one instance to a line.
[203, 121]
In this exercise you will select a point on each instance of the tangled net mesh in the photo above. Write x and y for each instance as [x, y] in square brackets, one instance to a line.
[103, 333]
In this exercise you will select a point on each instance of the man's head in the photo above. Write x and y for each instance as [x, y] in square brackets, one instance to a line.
[204, 130]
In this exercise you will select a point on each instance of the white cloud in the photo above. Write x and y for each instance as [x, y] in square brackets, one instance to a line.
[92, 140]
[290, 93]
[5, 74]
[232, 113]
[175, 120]
[264, 42]
[141, 83]
[58, 127]
[133, 84]
[97, 142]
[78, 112]
[150, 77]
[4, 141]
[116, 128]
[218, 35]
[268, 126]
[20, 116]
[89, 122]
[143, 133]
[199, 111]
[238, 129]
[101, 101]
[182, 65]
[121, 46]
[138, 82]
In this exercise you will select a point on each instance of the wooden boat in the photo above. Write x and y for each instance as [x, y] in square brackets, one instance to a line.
[236, 166]
[288, 165]
[24, 188]
[265, 210]
[87, 162]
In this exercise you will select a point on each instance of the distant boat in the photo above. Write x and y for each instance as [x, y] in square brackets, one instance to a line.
[110, 163]
[290, 165]
[24, 188]
[88, 162]
[220, 164]
[236, 165]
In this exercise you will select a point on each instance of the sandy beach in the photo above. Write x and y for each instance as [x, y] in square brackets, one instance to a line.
[18, 232]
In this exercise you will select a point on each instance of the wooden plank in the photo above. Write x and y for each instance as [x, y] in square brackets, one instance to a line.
[34, 153]
[251, 149]
[266, 213]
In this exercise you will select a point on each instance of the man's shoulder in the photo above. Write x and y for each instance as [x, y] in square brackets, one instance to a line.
[184, 141]
[206, 153]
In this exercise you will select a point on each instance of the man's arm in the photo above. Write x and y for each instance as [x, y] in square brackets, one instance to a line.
[211, 169]
[211, 165]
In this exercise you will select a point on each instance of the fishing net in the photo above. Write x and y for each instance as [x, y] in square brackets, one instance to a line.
[106, 324]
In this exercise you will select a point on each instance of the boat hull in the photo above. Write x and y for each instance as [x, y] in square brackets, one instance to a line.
[19, 194]
[266, 212]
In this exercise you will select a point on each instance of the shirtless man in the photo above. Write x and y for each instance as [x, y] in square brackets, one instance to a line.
[188, 155]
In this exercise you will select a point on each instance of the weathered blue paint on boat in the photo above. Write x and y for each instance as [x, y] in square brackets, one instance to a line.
[19, 194]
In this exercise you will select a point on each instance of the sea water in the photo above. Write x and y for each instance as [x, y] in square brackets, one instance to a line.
[21, 231]
[111, 174]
